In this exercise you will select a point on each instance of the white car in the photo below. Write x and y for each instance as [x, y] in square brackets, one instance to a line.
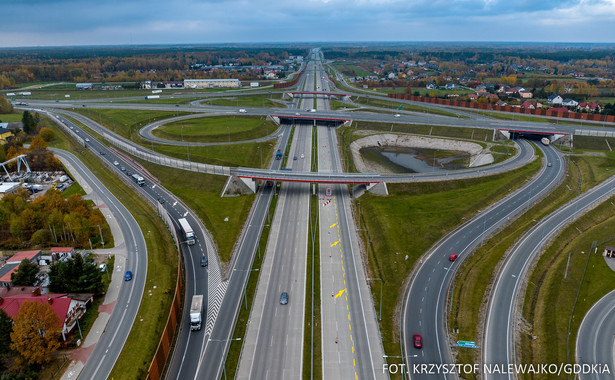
[397, 115]
[242, 110]
[86, 139]
[302, 155]
[116, 163]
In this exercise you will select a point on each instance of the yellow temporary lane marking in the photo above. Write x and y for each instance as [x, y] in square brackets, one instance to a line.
[333, 225]
[340, 292]
[336, 243]
[355, 376]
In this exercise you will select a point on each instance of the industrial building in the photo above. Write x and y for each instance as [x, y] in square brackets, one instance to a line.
[212, 83]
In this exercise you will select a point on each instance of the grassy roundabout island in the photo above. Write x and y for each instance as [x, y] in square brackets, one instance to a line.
[216, 129]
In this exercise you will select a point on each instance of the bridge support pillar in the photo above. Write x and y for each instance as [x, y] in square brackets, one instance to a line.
[236, 186]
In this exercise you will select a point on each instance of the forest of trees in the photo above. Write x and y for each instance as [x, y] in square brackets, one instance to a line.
[125, 64]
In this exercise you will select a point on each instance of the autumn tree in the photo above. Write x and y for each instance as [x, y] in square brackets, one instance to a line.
[5, 106]
[36, 332]
[26, 273]
[47, 134]
[6, 327]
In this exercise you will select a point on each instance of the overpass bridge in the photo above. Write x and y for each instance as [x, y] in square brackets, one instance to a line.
[302, 118]
[301, 94]
[532, 134]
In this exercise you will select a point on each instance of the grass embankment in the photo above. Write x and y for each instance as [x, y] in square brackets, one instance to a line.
[241, 324]
[162, 264]
[11, 117]
[257, 101]
[336, 105]
[394, 105]
[477, 272]
[171, 100]
[216, 129]
[398, 229]
[126, 123]
[312, 344]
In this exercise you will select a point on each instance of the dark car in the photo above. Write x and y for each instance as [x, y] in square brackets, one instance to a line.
[283, 298]
[123, 169]
[129, 173]
[204, 261]
[128, 276]
[418, 340]
[453, 257]
[102, 153]
[161, 201]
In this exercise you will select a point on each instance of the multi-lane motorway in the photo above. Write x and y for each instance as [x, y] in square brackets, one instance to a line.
[273, 346]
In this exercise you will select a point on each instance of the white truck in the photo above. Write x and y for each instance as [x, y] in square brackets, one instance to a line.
[148, 97]
[138, 179]
[545, 141]
[187, 230]
[196, 312]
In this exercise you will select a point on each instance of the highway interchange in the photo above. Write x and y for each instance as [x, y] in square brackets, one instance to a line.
[273, 346]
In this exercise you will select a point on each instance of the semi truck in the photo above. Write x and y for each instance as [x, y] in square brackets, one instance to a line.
[138, 179]
[196, 312]
[152, 97]
[545, 141]
[187, 230]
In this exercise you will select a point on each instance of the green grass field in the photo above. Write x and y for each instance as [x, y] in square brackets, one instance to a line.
[217, 129]
[263, 101]
[394, 105]
[10, 117]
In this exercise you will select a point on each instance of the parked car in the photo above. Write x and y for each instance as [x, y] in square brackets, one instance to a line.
[102, 267]
[128, 276]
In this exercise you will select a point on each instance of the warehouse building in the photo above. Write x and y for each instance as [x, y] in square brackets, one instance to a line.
[212, 83]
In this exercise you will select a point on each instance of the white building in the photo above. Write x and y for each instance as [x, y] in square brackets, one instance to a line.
[8, 188]
[212, 83]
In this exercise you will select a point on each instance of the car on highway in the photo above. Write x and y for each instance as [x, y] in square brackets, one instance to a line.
[297, 114]
[302, 155]
[418, 340]
[161, 200]
[397, 115]
[129, 173]
[86, 139]
[102, 153]
[453, 257]
[328, 192]
[116, 163]
[241, 110]
[549, 164]
[204, 261]
[76, 131]
[295, 158]
[128, 275]
[123, 169]
[283, 298]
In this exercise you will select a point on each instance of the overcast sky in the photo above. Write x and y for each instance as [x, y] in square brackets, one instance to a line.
[120, 22]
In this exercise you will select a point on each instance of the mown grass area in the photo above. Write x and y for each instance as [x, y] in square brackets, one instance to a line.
[201, 192]
[336, 105]
[60, 91]
[473, 134]
[216, 129]
[582, 143]
[477, 272]
[547, 287]
[394, 105]
[262, 101]
[10, 117]
[501, 115]
[127, 122]
[312, 344]
[161, 268]
[171, 100]
[351, 69]
[410, 220]
[243, 319]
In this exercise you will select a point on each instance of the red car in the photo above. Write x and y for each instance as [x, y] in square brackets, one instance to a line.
[418, 340]
[452, 257]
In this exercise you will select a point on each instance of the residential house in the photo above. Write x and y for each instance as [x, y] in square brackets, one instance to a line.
[590, 107]
[472, 96]
[451, 86]
[526, 94]
[5, 133]
[501, 103]
[512, 92]
[531, 105]
[555, 99]
[570, 103]
[431, 86]
[12, 264]
[492, 97]
[62, 253]
[68, 308]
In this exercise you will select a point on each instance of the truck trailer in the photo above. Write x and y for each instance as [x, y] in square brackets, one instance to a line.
[138, 179]
[196, 312]
[148, 97]
[545, 141]
[187, 230]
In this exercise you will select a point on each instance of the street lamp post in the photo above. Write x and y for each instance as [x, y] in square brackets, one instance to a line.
[245, 284]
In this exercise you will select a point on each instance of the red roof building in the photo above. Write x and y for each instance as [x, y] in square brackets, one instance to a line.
[66, 308]
[20, 256]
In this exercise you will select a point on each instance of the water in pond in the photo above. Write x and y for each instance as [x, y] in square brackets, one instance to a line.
[413, 160]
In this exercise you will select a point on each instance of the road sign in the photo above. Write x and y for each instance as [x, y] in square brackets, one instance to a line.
[465, 343]
[400, 107]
